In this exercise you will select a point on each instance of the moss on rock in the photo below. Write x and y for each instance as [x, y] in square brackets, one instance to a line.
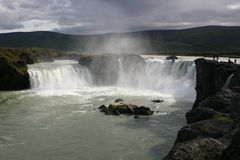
[13, 71]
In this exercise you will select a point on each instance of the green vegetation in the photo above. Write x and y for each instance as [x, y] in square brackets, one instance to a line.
[13, 65]
[13, 71]
[201, 41]
[223, 118]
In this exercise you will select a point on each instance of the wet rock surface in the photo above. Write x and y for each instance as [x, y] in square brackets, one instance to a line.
[119, 107]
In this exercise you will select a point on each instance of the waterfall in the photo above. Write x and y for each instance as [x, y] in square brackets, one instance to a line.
[227, 83]
[176, 78]
[58, 75]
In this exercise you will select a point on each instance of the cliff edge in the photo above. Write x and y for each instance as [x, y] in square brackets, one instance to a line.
[13, 72]
[212, 130]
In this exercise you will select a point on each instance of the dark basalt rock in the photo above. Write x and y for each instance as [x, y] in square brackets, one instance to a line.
[13, 72]
[201, 113]
[172, 57]
[157, 101]
[211, 77]
[215, 116]
[198, 149]
[121, 108]
[232, 152]
[217, 127]
[118, 100]
[142, 110]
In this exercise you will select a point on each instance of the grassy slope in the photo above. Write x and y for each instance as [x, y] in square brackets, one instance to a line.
[211, 39]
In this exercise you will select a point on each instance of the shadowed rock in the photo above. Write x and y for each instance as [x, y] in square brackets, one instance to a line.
[129, 109]
[13, 72]
[198, 149]
[214, 118]
[157, 101]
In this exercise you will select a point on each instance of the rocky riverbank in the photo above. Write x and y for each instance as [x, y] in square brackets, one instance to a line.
[13, 72]
[13, 65]
[212, 130]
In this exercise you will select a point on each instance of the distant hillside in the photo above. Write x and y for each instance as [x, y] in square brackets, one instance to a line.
[209, 39]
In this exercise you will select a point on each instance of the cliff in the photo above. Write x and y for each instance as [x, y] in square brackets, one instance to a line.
[212, 130]
[211, 77]
[13, 72]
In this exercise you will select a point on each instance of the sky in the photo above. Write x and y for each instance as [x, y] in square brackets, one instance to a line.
[104, 16]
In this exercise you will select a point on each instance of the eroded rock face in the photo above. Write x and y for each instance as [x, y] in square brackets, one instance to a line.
[217, 127]
[214, 121]
[199, 149]
[13, 72]
[211, 77]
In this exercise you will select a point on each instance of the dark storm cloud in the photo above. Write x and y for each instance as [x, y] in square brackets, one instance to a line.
[100, 16]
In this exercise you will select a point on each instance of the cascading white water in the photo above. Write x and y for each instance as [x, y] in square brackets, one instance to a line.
[167, 77]
[163, 76]
[58, 75]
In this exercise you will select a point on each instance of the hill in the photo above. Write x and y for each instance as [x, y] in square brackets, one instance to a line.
[208, 40]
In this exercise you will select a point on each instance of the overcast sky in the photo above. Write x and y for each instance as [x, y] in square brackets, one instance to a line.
[101, 16]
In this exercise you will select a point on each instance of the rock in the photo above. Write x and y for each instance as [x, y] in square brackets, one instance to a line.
[197, 149]
[142, 110]
[211, 77]
[13, 72]
[121, 108]
[217, 127]
[117, 109]
[136, 116]
[226, 102]
[103, 108]
[172, 57]
[157, 101]
[118, 100]
[232, 152]
[201, 113]
[215, 116]
[28, 58]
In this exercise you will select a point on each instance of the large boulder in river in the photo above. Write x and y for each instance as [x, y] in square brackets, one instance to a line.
[122, 108]
[13, 72]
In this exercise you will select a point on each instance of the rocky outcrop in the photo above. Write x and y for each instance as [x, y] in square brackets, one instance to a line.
[198, 149]
[211, 77]
[118, 107]
[171, 57]
[212, 132]
[232, 152]
[13, 72]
